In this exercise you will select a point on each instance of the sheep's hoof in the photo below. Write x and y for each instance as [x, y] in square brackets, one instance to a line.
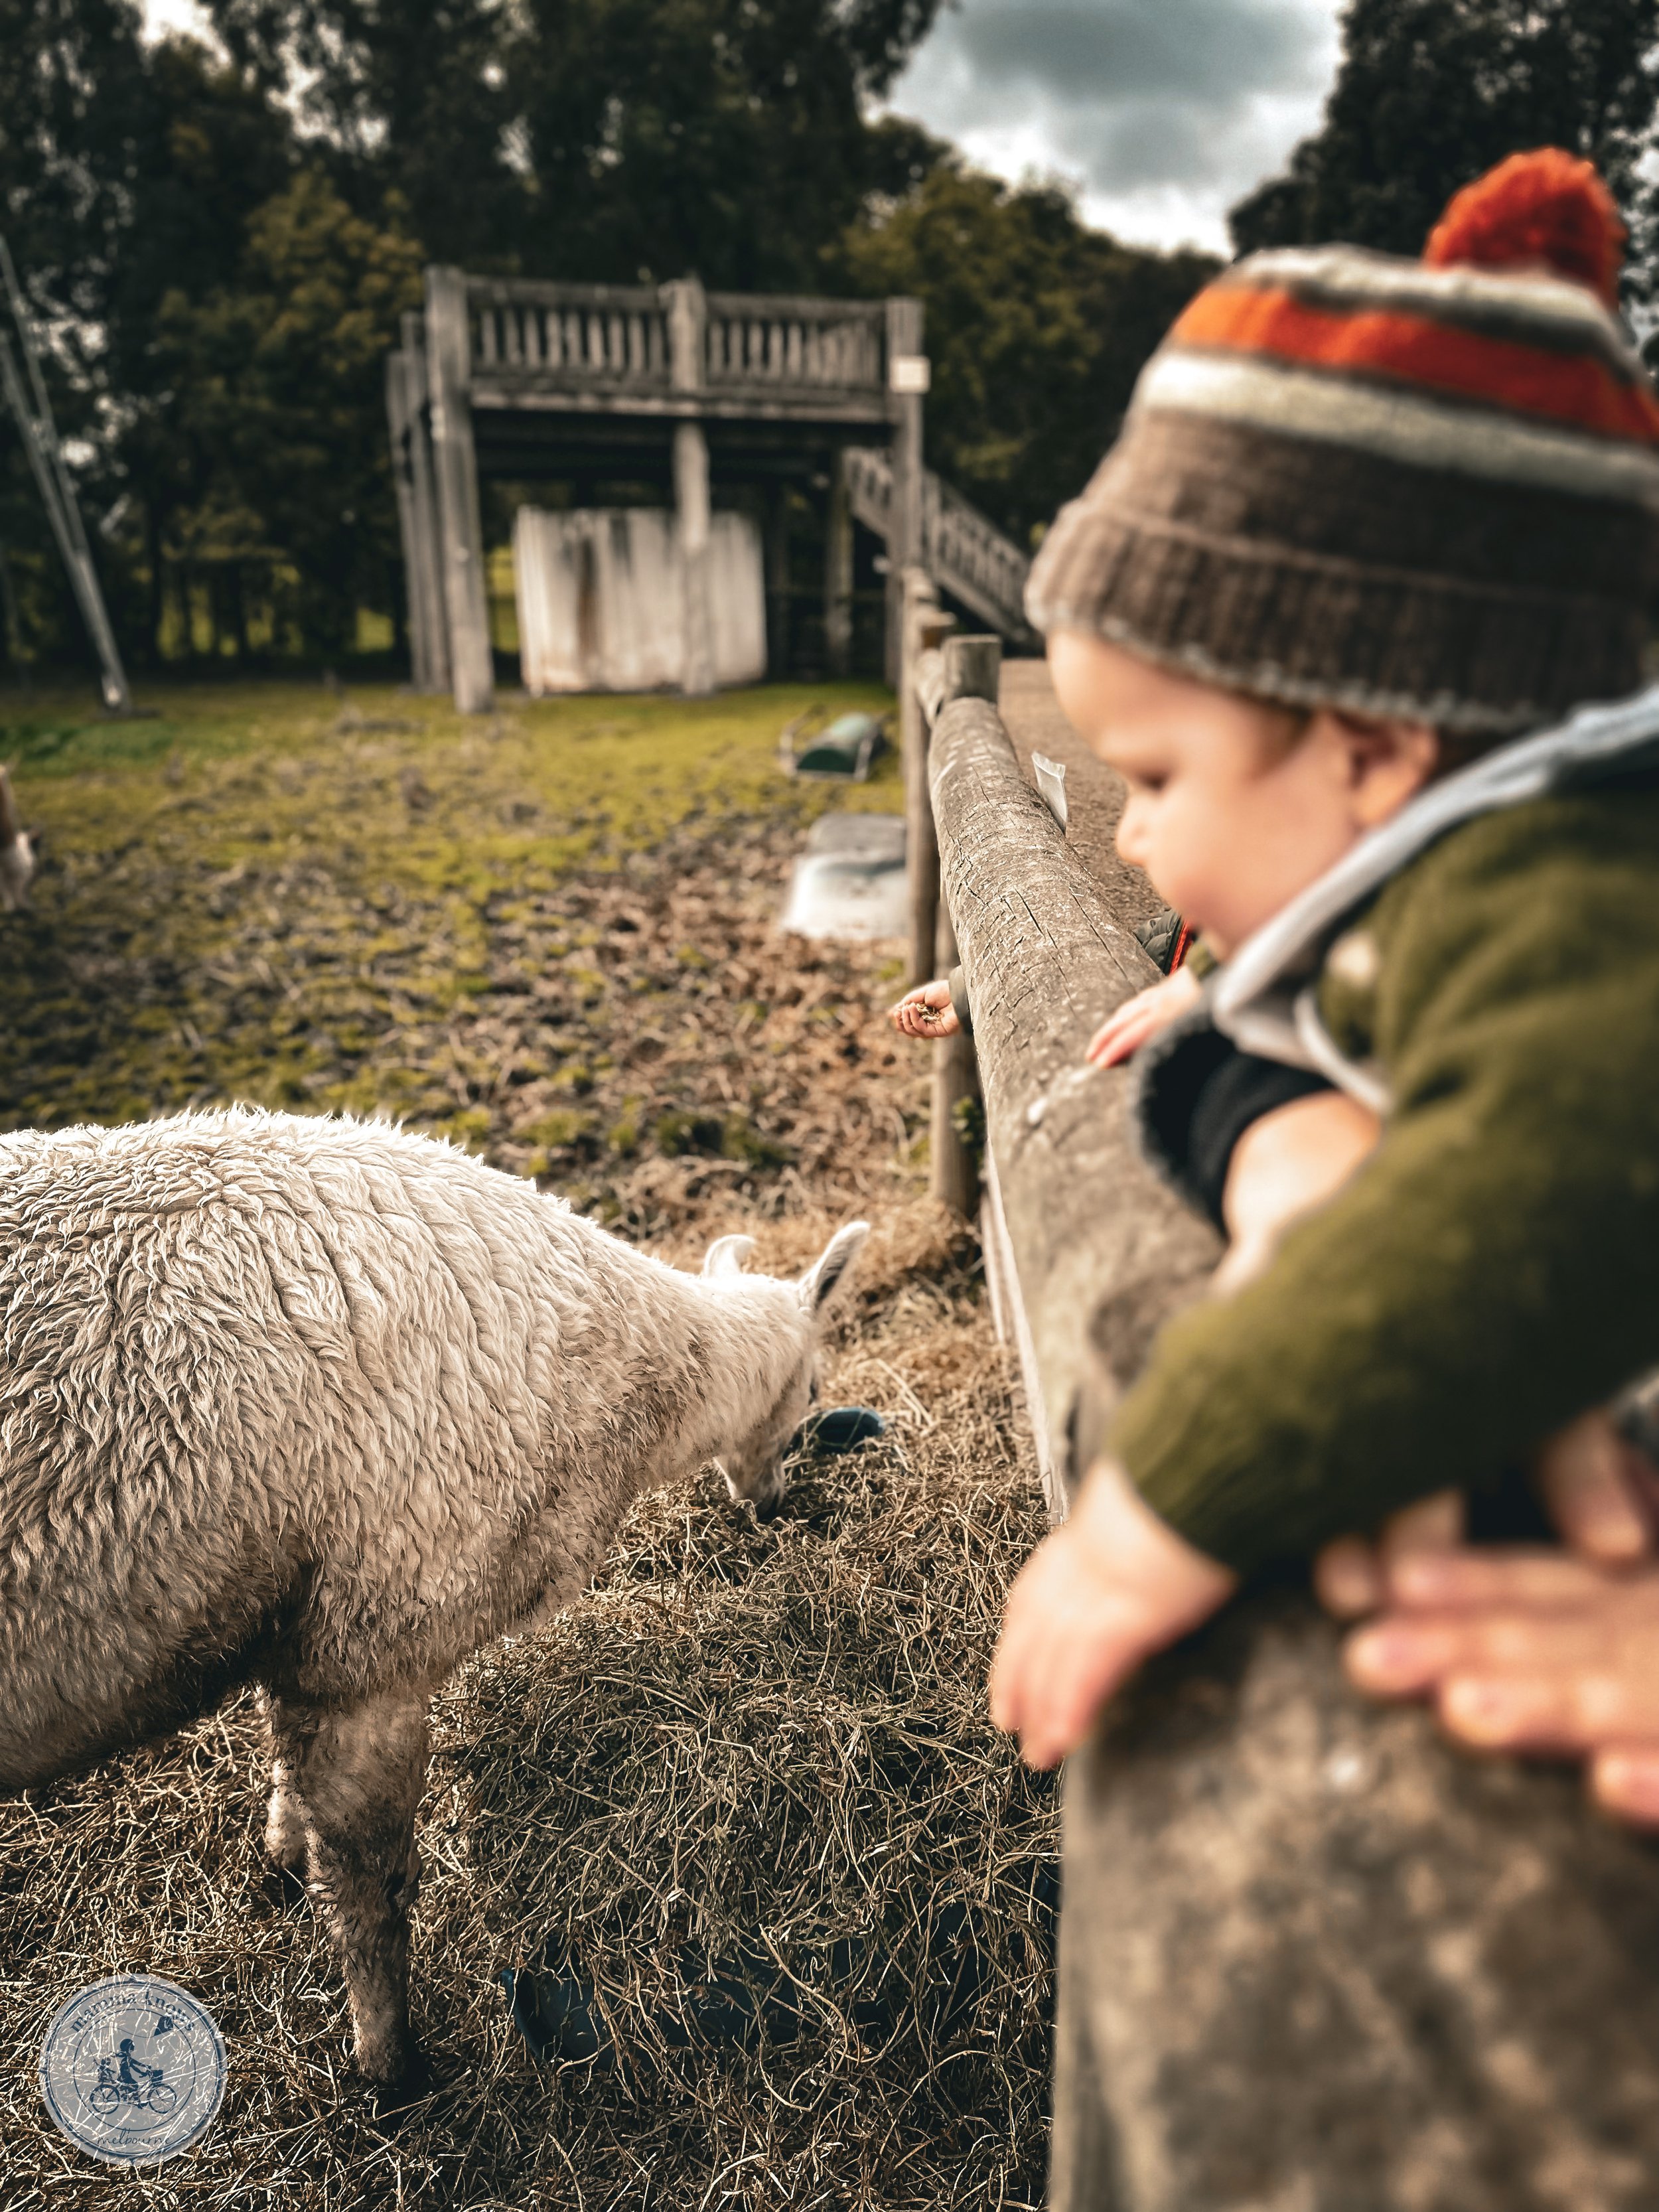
[284, 1886]
[394, 2099]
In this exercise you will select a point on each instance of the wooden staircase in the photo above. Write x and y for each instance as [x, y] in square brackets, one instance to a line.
[962, 550]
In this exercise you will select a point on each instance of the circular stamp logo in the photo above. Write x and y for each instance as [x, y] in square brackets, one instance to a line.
[133, 2069]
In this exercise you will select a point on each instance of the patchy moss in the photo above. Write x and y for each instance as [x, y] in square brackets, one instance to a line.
[548, 934]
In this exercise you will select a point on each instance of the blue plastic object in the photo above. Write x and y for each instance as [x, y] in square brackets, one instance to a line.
[840, 1429]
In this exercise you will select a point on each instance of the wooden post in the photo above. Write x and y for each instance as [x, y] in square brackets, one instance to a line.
[687, 327]
[777, 582]
[427, 575]
[838, 574]
[398, 412]
[904, 397]
[456, 467]
[973, 669]
[925, 628]
[1047, 953]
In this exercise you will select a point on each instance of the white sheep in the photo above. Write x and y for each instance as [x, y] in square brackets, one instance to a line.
[324, 1406]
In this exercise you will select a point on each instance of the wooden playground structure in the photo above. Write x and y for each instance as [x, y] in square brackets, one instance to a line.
[692, 389]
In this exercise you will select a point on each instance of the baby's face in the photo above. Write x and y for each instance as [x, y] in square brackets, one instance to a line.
[1233, 806]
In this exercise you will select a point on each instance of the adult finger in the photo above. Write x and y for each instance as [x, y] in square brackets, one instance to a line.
[1431, 1524]
[1403, 1655]
[1584, 1479]
[1625, 1782]
[1348, 1578]
[1485, 1578]
[1578, 1709]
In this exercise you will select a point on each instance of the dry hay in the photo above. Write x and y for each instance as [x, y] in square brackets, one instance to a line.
[759, 1750]
[751, 1741]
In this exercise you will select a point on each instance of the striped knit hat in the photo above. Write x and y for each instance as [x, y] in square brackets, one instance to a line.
[1428, 489]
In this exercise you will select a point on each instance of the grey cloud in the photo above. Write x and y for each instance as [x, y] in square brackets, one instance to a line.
[1134, 96]
[1122, 50]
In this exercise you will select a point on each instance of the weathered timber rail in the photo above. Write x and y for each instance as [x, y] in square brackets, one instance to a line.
[1047, 949]
[1310, 1955]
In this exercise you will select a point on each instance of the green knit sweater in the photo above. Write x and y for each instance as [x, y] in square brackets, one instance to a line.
[1492, 1270]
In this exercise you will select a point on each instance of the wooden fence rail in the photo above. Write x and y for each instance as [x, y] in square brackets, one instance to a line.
[1047, 951]
[1310, 1954]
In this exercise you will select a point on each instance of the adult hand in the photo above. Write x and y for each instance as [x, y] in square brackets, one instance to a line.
[1105, 1591]
[1528, 1651]
[1599, 1490]
[927, 1012]
[1523, 1650]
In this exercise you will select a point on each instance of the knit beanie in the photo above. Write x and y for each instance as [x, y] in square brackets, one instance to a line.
[1425, 488]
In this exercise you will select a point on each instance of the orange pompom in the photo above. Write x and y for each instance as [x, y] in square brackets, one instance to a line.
[1544, 209]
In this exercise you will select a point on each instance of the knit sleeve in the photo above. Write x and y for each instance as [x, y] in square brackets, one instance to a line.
[1492, 1270]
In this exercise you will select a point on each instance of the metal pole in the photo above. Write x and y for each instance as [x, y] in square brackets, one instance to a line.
[38, 432]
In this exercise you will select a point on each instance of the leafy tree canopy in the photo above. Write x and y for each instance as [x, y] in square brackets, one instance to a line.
[1431, 93]
[1037, 327]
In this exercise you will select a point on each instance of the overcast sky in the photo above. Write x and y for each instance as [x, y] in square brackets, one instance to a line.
[1163, 111]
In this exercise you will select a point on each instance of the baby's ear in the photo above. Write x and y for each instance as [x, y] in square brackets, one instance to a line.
[829, 1277]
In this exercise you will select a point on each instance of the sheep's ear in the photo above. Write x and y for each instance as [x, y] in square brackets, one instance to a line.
[833, 1271]
[727, 1254]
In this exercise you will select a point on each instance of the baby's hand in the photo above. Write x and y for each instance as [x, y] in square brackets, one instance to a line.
[1121, 1034]
[1100, 1595]
[927, 1012]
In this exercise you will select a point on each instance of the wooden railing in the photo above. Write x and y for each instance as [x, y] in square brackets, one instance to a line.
[582, 334]
[641, 341]
[961, 549]
[829, 344]
[1070, 1210]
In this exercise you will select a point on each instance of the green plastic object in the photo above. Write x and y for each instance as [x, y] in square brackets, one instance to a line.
[842, 753]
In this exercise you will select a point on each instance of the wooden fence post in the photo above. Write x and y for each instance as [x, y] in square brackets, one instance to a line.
[838, 572]
[904, 341]
[925, 629]
[973, 669]
[465, 597]
[688, 339]
[427, 578]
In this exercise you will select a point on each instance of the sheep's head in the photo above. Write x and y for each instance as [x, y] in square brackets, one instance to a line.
[753, 1467]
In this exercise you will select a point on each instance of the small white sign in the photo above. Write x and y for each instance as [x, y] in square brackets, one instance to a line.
[910, 373]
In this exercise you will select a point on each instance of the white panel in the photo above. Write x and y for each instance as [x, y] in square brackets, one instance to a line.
[736, 595]
[601, 597]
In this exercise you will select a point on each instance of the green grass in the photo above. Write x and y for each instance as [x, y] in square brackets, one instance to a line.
[413, 787]
[306, 899]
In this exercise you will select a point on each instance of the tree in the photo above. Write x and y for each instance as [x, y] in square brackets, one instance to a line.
[1431, 93]
[278, 403]
[73, 105]
[1036, 326]
[619, 140]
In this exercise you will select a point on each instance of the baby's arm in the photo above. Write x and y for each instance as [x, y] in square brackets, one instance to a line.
[1117, 1583]
[1286, 1164]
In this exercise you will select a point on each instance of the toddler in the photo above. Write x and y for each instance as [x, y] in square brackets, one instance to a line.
[1374, 527]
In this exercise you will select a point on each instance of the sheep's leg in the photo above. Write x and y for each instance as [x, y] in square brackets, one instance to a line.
[356, 1777]
[285, 1828]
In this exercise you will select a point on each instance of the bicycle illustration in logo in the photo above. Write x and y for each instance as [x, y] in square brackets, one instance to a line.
[129, 2081]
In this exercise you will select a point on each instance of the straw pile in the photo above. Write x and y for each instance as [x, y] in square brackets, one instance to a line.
[743, 1798]
[763, 1745]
